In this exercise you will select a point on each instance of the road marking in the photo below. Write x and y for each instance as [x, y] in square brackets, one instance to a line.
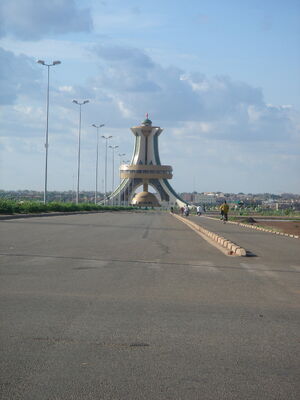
[205, 266]
[154, 266]
[296, 267]
[260, 270]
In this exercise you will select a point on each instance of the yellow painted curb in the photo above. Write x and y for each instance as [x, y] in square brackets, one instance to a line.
[219, 241]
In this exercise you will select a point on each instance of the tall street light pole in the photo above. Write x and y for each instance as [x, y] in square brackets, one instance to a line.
[113, 168]
[47, 119]
[79, 134]
[97, 156]
[105, 174]
[120, 155]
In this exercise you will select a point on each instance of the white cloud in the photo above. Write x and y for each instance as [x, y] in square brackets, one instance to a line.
[32, 20]
[68, 89]
[214, 121]
[18, 75]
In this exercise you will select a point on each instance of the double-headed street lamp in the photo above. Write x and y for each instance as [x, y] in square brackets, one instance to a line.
[105, 175]
[47, 119]
[79, 134]
[113, 168]
[120, 155]
[97, 156]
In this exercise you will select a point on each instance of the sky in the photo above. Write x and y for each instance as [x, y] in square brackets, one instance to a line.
[220, 77]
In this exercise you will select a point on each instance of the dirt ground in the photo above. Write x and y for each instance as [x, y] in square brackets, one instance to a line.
[291, 227]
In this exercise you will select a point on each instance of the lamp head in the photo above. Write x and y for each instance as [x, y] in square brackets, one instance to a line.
[41, 62]
[86, 101]
[56, 62]
[75, 101]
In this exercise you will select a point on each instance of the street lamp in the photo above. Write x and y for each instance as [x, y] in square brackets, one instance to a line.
[79, 134]
[113, 168]
[120, 155]
[105, 175]
[47, 119]
[97, 156]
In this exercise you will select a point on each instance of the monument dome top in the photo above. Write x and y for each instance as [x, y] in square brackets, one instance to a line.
[147, 121]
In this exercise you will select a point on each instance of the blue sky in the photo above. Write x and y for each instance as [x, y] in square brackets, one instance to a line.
[221, 77]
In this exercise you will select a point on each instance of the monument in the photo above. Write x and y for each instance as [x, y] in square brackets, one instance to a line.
[145, 169]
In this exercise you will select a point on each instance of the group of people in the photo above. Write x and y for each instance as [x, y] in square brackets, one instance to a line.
[186, 211]
[224, 208]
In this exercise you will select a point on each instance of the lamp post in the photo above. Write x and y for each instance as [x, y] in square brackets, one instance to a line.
[113, 168]
[105, 174]
[79, 134]
[97, 156]
[47, 119]
[120, 155]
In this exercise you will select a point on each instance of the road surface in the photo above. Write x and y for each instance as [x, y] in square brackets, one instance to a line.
[272, 249]
[138, 306]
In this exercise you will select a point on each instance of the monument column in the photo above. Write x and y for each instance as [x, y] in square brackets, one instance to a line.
[146, 169]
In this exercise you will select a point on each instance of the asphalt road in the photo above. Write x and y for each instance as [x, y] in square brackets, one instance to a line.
[138, 306]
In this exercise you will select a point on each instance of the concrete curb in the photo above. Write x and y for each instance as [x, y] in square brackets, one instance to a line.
[258, 228]
[230, 248]
[4, 217]
[50, 214]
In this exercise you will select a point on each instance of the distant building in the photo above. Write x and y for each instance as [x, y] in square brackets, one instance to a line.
[205, 198]
[188, 197]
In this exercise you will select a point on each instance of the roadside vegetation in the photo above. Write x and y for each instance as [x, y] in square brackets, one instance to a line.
[236, 213]
[288, 212]
[29, 207]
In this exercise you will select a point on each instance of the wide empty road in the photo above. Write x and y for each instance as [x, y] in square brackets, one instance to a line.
[138, 306]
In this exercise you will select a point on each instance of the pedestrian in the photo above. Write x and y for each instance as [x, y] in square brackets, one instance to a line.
[172, 210]
[181, 210]
[199, 210]
[186, 210]
[224, 211]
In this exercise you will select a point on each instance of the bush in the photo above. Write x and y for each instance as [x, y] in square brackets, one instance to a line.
[29, 207]
[7, 206]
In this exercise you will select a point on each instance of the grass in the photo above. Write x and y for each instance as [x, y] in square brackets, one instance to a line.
[31, 207]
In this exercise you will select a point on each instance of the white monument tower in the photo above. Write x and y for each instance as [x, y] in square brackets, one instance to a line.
[146, 169]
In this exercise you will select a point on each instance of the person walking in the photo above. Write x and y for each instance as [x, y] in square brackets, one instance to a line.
[186, 210]
[199, 210]
[224, 211]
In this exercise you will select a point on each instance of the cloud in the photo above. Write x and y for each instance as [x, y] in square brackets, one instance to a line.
[124, 55]
[32, 20]
[216, 107]
[213, 121]
[126, 69]
[18, 75]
